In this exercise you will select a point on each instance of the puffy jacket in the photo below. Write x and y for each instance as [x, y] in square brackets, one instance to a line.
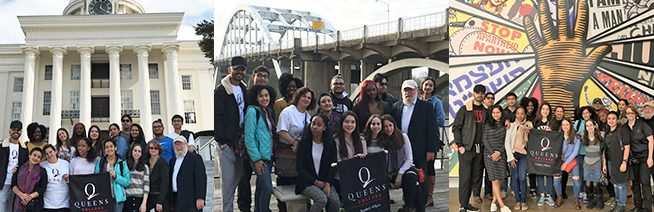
[122, 177]
[258, 137]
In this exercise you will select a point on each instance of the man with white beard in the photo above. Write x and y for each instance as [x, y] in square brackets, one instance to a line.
[417, 119]
[188, 177]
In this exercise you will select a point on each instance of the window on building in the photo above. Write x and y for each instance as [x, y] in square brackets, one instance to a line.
[186, 82]
[155, 102]
[153, 68]
[15, 110]
[125, 71]
[48, 72]
[75, 72]
[126, 101]
[18, 84]
[189, 112]
[74, 100]
[47, 98]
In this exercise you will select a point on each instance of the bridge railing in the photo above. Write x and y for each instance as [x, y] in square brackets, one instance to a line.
[382, 31]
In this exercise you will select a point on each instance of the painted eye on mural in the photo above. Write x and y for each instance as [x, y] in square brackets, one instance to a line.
[564, 59]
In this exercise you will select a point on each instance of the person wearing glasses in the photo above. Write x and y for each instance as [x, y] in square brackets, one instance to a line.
[126, 121]
[339, 95]
[642, 145]
[165, 141]
[382, 84]
[13, 154]
[159, 179]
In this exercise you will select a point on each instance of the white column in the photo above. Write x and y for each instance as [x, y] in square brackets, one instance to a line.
[173, 86]
[55, 106]
[28, 87]
[85, 85]
[114, 84]
[142, 53]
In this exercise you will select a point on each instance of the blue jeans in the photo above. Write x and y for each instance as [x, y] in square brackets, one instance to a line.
[576, 184]
[264, 188]
[580, 160]
[542, 188]
[519, 178]
[119, 206]
[620, 190]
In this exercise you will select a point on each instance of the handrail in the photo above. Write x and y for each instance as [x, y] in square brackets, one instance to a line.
[401, 25]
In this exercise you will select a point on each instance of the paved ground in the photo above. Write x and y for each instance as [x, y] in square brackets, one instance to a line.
[568, 204]
[440, 193]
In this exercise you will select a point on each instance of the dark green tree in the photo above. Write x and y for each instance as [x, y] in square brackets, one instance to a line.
[205, 29]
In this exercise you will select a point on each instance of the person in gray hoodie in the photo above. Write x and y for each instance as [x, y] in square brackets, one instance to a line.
[467, 130]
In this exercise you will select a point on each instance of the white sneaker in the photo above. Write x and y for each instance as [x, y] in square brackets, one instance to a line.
[493, 207]
[505, 209]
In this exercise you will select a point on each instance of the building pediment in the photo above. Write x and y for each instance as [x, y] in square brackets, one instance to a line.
[100, 29]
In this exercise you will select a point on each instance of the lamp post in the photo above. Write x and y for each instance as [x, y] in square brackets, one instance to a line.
[388, 9]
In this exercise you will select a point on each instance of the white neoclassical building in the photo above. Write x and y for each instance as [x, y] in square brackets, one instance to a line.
[102, 59]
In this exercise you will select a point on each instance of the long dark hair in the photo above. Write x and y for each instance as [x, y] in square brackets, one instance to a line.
[141, 136]
[59, 142]
[117, 127]
[422, 85]
[525, 102]
[74, 138]
[539, 116]
[91, 154]
[253, 94]
[488, 120]
[356, 139]
[99, 150]
[367, 132]
[394, 141]
[586, 140]
[140, 164]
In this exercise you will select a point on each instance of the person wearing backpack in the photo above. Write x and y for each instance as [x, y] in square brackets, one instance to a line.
[177, 122]
[118, 171]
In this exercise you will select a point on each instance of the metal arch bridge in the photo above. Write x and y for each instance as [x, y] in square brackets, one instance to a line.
[254, 29]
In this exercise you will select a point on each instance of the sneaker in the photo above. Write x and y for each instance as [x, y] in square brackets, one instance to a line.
[541, 201]
[610, 202]
[534, 195]
[505, 209]
[493, 207]
[468, 208]
[583, 197]
[549, 200]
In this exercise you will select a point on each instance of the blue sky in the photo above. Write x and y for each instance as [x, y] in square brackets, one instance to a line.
[195, 11]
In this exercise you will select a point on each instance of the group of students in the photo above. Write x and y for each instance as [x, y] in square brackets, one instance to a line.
[603, 150]
[302, 134]
[144, 176]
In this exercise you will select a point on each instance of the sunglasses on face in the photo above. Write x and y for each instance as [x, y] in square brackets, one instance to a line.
[125, 120]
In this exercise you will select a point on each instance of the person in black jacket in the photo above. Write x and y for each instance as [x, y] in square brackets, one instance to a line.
[467, 130]
[159, 179]
[229, 112]
[313, 182]
[339, 95]
[189, 179]
[13, 154]
[417, 119]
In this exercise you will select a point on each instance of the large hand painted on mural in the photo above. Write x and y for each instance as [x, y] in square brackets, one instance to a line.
[565, 52]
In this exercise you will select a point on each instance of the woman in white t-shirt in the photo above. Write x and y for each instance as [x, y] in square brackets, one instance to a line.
[64, 149]
[85, 158]
[292, 121]
[56, 193]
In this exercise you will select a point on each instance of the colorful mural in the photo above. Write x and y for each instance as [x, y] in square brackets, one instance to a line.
[565, 52]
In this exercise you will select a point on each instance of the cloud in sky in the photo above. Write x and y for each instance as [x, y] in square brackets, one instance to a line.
[342, 14]
[194, 12]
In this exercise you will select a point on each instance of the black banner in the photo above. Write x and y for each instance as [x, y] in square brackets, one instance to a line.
[90, 193]
[544, 152]
[364, 185]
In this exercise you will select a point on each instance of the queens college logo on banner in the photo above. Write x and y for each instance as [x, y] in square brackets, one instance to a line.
[364, 184]
[544, 152]
[90, 193]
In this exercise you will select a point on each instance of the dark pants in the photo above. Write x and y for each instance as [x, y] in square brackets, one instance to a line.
[244, 200]
[410, 190]
[132, 204]
[641, 186]
[177, 207]
[421, 194]
[284, 181]
[152, 203]
[470, 174]
[564, 183]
